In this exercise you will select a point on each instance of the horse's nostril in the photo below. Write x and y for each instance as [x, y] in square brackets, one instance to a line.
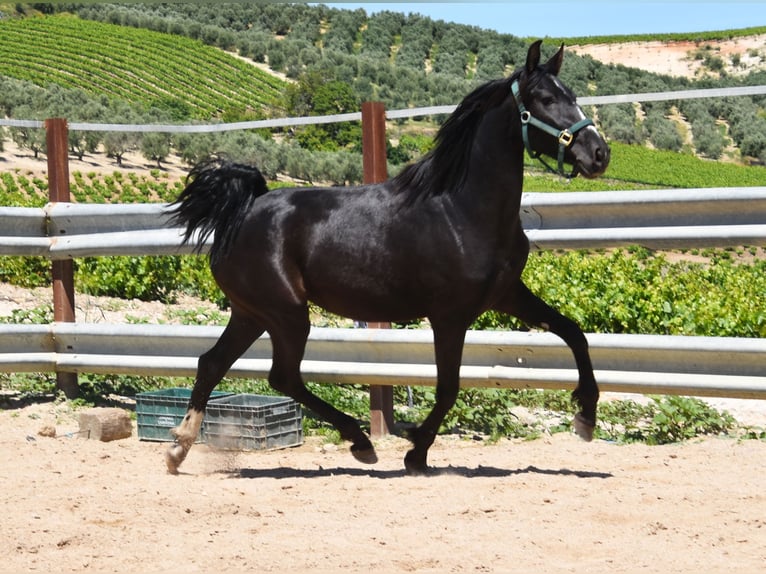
[601, 155]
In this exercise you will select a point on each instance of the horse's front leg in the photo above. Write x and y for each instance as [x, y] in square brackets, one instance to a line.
[448, 349]
[522, 303]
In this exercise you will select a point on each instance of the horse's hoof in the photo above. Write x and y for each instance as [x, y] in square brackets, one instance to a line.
[174, 456]
[365, 455]
[415, 470]
[583, 427]
[414, 466]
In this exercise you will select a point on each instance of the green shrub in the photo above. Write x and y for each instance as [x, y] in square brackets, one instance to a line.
[632, 292]
[26, 272]
[663, 420]
[38, 316]
[129, 277]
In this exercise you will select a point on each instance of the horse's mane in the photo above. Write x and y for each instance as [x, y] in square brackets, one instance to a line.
[444, 168]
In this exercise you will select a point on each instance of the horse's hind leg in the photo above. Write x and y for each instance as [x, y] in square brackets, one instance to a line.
[522, 303]
[288, 339]
[211, 368]
[448, 349]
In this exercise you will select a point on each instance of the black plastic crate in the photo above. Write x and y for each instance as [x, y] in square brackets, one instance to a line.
[253, 422]
[159, 411]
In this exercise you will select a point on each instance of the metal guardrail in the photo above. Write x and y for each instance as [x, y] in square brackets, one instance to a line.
[656, 219]
[700, 366]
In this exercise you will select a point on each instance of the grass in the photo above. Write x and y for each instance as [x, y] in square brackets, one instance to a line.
[639, 167]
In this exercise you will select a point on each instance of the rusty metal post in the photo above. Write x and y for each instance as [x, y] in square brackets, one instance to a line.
[376, 170]
[56, 139]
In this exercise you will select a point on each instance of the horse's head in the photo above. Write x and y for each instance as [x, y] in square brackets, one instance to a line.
[552, 122]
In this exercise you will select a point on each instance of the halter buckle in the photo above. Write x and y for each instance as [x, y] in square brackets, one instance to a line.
[565, 138]
[526, 116]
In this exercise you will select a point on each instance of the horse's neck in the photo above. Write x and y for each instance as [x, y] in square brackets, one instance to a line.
[496, 172]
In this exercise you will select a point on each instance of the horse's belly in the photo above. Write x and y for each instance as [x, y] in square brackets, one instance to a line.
[378, 297]
[371, 307]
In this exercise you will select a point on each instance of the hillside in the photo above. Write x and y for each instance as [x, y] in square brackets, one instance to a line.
[177, 59]
[136, 65]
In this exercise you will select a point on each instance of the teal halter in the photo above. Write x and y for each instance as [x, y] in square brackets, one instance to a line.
[565, 137]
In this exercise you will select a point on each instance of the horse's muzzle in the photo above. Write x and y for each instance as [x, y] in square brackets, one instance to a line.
[592, 155]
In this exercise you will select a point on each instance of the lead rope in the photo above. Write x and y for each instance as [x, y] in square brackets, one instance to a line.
[565, 137]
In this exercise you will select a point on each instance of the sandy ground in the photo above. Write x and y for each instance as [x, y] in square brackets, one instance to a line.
[17, 160]
[550, 505]
[98, 309]
[678, 58]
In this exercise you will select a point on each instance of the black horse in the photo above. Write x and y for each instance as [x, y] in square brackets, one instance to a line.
[442, 240]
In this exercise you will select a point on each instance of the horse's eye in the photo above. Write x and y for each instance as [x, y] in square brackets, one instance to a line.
[548, 101]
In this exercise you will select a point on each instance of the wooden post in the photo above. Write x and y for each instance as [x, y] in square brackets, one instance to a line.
[374, 142]
[376, 170]
[57, 141]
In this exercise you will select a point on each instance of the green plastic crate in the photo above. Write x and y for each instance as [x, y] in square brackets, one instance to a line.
[159, 411]
[253, 422]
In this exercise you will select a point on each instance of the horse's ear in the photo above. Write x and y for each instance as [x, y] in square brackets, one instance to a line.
[554, 64]
[533, 57]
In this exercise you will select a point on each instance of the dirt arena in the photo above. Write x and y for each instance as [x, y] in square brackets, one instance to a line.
[550, 505]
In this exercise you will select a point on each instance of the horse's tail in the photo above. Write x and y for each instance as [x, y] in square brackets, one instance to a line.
[217, 200]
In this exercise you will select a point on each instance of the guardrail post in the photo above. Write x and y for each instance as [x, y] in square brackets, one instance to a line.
[376, 170]
[57, 142]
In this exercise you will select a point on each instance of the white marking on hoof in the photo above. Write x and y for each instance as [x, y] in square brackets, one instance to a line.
[583, 428]
[185, 433]
[174, 456]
